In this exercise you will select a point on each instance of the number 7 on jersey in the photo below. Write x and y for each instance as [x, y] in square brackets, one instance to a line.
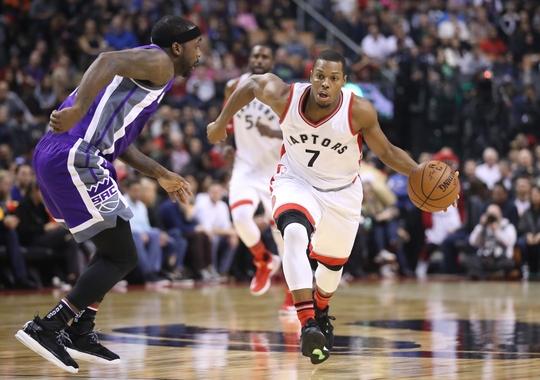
[314, 157]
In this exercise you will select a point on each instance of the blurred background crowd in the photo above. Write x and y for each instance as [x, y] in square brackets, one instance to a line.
[454, 80]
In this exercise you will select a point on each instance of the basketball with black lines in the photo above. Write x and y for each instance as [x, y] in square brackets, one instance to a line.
[433, 186]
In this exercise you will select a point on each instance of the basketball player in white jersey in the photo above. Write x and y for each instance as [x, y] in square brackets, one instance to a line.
[316, 192]
[257, 138]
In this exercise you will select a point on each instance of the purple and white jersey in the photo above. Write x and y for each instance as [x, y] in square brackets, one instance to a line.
[118, 114]
[74, 170]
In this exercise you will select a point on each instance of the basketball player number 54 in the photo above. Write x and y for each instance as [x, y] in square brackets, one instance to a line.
[315, 155]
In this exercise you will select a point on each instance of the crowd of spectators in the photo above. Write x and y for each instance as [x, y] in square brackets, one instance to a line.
[463, 76]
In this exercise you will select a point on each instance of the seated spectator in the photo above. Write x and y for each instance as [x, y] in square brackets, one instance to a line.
[45, 95]
[501, 198]
[214, 215]
[9, 237]
[34, 71]
[473, 62]
[24, 174]
[173, 245]
[458, 242]
[453, 27]
[489, 172]
[492, 46]
[522, 198]
[282, 68]
[147, 238]
[494, 237]
[374, 45]
[13, 102]
[199, 252]
[200, 88]
[36, 229]
[383, 231]
[293, 46]
[91, 44]
[526, 167]
[118, 37]
[529, 235]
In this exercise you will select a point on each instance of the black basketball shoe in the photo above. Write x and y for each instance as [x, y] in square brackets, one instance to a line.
[323, 319]
[86, 346]
[47, 343]
[312, 342]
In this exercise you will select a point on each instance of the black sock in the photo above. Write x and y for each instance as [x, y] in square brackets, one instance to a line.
[84, 321]
[59, 317]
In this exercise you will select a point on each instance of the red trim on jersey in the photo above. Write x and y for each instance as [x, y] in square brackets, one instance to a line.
[283, 151]
[320, 122]
[360, 145]
[293, 206]
[272, 179]
[351, 127]
[333, 261]
[240, 203]
[288, 104]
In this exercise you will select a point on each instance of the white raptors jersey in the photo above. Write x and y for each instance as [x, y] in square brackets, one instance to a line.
[255, 153]
[327, 153]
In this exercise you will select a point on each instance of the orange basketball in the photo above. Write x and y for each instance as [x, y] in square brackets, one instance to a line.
[433, 186]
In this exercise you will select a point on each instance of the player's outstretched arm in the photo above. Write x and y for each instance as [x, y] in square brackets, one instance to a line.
[176, 186]
[150, 65]
[365, 121]
[267, 88]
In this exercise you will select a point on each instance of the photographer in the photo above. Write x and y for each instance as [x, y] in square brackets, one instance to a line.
[494, 237]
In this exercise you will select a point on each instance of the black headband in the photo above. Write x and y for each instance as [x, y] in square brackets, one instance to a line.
[181, 38]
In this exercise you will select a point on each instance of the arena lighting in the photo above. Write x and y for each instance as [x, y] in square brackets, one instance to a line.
[487, 74]
[355, 89]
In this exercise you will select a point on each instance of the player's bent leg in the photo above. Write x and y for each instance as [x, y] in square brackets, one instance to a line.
[117, 257]
[299, 278]
[266, 263]
[327, 278]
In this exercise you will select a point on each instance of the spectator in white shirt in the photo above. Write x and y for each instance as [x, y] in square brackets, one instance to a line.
[147, 238]
[399, 34]
[489, 171]
[453, 28]
[374, 45]
[523, 189]
[473, 61]
[214, 215]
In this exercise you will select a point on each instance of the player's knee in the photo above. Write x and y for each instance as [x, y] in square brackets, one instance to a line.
[241, 215]
[295, 233]
[327, 279]
[289, 217]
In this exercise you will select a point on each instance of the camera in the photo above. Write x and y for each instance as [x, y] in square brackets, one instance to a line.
[491, 219]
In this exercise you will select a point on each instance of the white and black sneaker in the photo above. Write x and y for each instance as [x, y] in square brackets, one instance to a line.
[86, 346]
[47, 343]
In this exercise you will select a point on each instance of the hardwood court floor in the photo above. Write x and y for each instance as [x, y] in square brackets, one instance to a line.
[384, 330]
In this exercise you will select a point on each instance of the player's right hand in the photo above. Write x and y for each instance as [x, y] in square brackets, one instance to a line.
[63, 120]
[216, 132]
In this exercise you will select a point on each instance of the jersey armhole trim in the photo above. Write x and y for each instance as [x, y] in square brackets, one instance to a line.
[288, 104]
[351, 128]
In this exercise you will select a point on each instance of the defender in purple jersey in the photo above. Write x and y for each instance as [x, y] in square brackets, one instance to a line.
[96, 124]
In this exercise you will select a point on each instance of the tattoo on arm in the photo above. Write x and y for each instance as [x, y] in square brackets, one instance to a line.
[138, 161]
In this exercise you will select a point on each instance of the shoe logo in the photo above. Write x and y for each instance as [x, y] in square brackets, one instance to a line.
[319, 353]
[104, 195]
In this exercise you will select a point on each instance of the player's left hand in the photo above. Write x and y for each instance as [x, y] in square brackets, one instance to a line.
[216, 132]
[456, 200]
[176, 186]
[65, 119]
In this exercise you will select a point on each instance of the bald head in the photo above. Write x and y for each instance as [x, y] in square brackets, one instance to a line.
[490, 156]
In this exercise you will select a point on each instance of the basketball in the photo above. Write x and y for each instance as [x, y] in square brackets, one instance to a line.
[433, 186]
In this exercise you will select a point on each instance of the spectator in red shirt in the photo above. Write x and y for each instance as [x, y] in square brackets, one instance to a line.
[493, 47]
